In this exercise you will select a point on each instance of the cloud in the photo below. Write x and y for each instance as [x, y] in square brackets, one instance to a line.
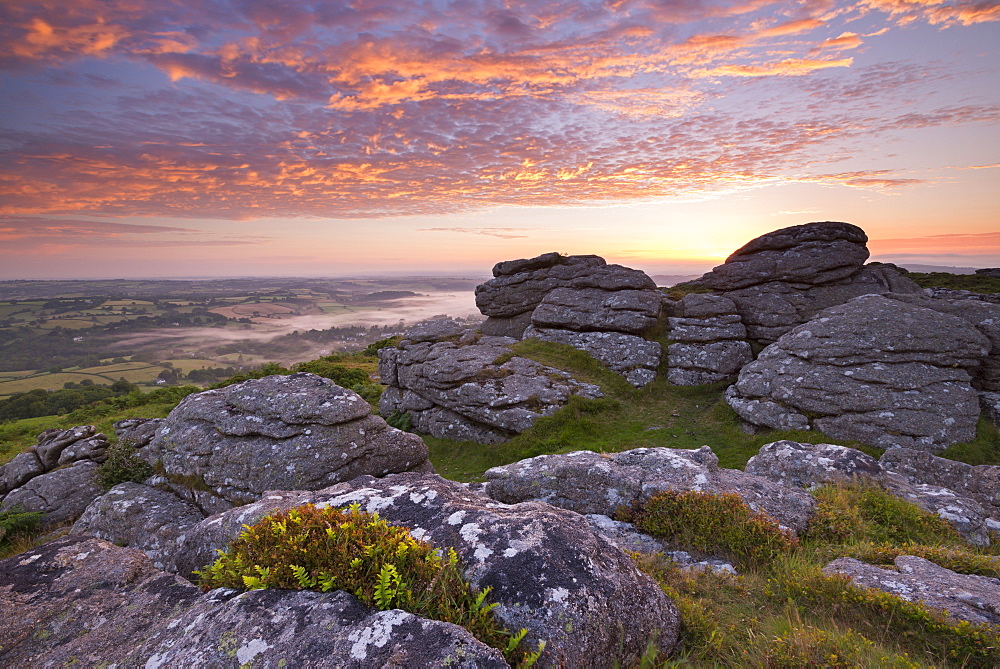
[503, 233]
[937, 12]
[973, 242]
[47, 235]
[370, 109]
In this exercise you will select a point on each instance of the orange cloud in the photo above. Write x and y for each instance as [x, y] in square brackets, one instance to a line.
[787, 67]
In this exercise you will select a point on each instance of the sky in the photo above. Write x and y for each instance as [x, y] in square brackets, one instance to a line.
[327, 138]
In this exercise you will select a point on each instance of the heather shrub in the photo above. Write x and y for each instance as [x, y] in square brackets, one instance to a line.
[326, 549]
[858, 512]
[123, 464]
[711, 524]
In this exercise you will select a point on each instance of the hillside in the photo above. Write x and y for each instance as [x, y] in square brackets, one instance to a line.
[777, 452]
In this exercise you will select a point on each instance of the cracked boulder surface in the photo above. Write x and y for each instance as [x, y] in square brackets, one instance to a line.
[78, 597]
[300, 432]
[958, 493]
[783, 278]
[962, 597]
[459, 384]
[548, 570]
[580, 301]
[875, 370]
[710, 340]
[57, 475]
[595, 483]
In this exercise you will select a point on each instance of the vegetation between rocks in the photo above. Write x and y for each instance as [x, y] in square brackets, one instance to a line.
[782, 611]
[325, 549]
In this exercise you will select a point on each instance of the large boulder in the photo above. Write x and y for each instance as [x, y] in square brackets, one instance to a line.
[299, 432]
[84, 601]
[142, 517]
[55, 476]
[595, 483]
[549, 572]
[813, 253]
[874, 370]
[800, 465]
[459, 384]
[962, 597]
[782, 279]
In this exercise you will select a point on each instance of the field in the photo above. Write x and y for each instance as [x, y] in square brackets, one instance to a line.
[134, 372]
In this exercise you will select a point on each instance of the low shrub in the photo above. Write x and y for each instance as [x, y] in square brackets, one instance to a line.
[15, 521]
[711, 524]
[123, 464]
[859, 512]
[325, 549]
[401, 420]
[373, 348]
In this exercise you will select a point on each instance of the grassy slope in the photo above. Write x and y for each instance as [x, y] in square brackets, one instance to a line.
[780, 613]
[658, 415]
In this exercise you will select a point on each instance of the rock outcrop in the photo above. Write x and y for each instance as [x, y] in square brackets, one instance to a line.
[56, 476]
[224, 447]
[459, 384]
[979, 482]
[549, 572]
[782, 279]
[710, 340]
[963, 495]
[580, 301]
[874, 370]
[975, 599]
[798, 465]
[594, 483]
[81, 600]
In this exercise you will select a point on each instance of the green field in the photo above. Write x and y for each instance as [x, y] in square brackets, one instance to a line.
[187, 364]
[134, 372]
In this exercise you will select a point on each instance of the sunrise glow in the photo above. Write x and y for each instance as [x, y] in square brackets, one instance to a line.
[314, 137]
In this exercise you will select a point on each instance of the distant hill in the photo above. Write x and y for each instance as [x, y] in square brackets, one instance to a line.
[667, 280]
[926, 269]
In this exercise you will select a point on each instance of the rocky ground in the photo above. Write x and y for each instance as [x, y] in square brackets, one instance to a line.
[809, 336]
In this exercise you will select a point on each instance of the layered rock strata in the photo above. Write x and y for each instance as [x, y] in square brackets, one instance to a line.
[580, 301]
[782, 279]
[459, 384]
[57, 475]
[710, 340]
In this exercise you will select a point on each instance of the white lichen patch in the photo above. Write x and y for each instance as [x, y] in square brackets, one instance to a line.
[377, 634]
[251, 649]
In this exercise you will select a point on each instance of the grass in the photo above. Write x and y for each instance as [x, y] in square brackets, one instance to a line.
[782, 611]
[977, 283]
[134, 372]
[660, 414]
